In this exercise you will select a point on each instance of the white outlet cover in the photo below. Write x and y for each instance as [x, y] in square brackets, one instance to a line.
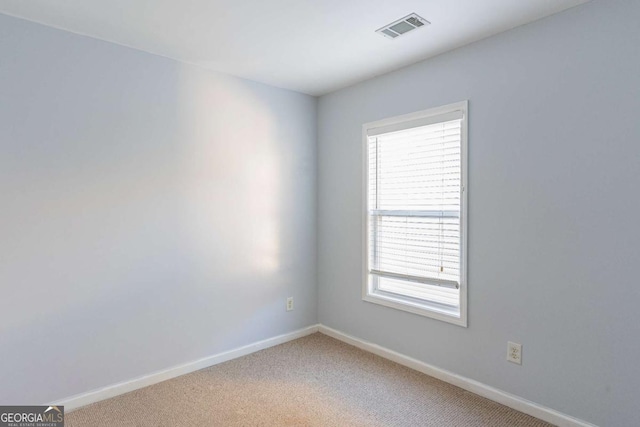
[289, 303]
[514, 352]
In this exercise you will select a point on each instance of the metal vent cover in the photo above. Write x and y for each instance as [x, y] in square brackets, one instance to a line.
[403, 26]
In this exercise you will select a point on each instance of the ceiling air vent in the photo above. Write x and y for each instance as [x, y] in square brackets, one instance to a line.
[402, 26]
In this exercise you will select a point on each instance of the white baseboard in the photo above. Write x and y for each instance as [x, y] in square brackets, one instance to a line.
[546, 414]
[77, 401]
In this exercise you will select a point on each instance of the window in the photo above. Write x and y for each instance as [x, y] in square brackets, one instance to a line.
[415, 213]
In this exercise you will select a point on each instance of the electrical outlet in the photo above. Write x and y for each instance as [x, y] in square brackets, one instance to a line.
[289, 303]
[514, 352]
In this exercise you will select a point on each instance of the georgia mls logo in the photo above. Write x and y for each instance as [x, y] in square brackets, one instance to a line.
[31, 416]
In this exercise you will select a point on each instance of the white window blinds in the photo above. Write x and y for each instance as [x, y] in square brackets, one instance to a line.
[414, 209]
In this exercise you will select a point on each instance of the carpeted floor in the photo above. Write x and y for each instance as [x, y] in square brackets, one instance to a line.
[312, 381]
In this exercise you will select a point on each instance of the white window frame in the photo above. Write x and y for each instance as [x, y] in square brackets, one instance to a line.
[426, 309]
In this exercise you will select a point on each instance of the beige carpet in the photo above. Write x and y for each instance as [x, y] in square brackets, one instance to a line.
[312, 381]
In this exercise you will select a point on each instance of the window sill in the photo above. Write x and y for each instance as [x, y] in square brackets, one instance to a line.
[426, 309]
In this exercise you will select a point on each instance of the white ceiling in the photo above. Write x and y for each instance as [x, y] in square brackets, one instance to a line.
[311, 46]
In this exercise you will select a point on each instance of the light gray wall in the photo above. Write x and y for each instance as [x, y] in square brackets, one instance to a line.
[151, 213]
[554, 169]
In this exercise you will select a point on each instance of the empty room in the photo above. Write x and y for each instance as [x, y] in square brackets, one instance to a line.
[319, 213]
